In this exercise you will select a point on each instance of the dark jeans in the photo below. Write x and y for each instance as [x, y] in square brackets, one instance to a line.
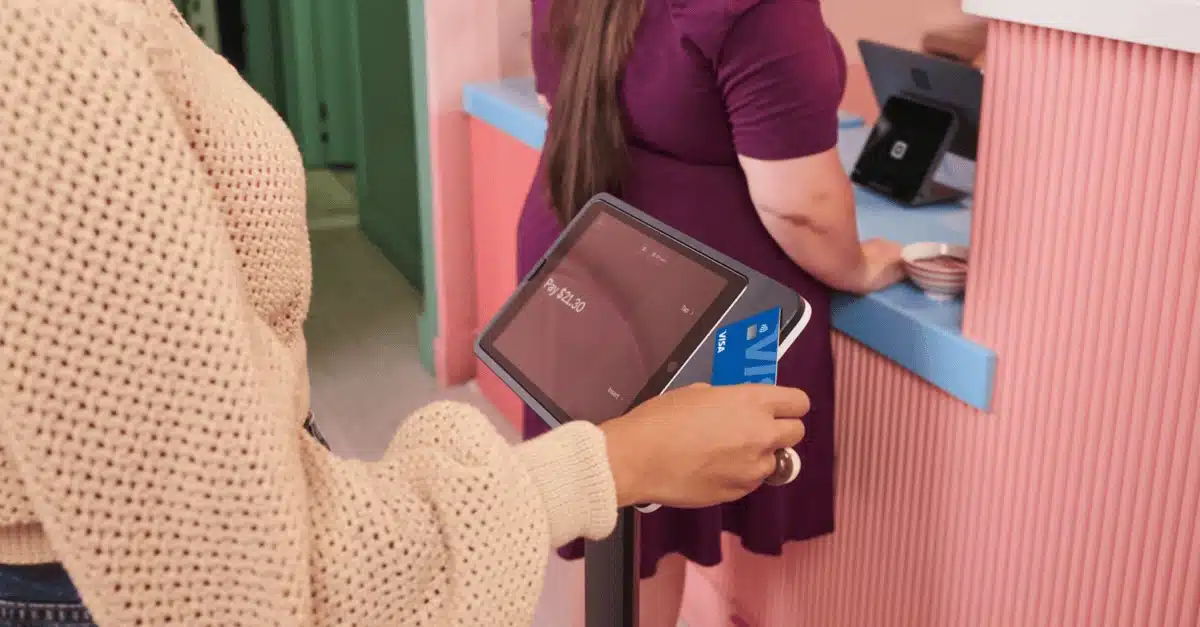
[40, 596]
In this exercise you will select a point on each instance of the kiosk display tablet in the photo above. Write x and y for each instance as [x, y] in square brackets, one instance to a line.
[903, 151]
[621, 309]
[952, 85]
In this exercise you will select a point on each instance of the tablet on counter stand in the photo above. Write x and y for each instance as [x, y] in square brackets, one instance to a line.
[621, 309]
[904, 150]
[929, 114]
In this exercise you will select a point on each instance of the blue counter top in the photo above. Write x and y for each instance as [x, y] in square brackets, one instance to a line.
[901, 323]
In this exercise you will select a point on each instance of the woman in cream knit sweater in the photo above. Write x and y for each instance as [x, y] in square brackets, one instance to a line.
[154, 275]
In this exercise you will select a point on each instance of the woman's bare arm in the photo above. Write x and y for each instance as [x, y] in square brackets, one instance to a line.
[807, 205]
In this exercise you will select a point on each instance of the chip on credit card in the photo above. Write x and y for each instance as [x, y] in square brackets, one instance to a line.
[748, 351]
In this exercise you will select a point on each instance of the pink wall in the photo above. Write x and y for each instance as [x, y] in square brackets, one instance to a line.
[896, 22]
[1077, 502]
[465, 42]
[502, 181]
[1109, 364]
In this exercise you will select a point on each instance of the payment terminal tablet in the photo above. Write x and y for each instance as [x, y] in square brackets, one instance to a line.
[904, 149]
[620, 309]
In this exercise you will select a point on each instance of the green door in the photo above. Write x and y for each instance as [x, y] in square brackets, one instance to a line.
[390, 164]
[264, 65]
[302, 100]
[302, 56]
[347, 92]
[349, 78]
[337, 67]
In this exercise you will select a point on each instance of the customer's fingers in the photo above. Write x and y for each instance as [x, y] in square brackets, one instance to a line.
[786, 432]
[779, 400]
[765, 467]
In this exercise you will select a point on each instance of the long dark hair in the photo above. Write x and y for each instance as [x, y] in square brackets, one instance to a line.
[585, 144]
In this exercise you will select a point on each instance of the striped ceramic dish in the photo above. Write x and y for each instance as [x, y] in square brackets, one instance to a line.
[938, 269]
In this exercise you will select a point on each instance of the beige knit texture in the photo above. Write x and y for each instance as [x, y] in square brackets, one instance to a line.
[154, 277]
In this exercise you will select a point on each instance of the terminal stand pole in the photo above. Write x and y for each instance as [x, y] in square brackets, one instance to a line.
[611, 575]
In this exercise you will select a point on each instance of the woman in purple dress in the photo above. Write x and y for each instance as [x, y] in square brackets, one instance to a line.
[718, 117]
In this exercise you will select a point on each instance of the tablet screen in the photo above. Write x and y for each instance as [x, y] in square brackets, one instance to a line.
[612, 314]
[903, 148]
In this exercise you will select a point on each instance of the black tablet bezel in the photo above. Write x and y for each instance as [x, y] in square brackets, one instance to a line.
[735, 284]
[955, 85]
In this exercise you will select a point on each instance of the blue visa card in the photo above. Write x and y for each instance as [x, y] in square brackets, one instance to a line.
[748, 351]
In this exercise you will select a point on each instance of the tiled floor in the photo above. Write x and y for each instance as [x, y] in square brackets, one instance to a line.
[363, 355]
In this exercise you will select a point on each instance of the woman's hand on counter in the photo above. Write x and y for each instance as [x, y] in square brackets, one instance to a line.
[883, 265]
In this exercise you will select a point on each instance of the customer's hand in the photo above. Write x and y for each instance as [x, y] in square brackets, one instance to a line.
[883, 265]
[702, 445]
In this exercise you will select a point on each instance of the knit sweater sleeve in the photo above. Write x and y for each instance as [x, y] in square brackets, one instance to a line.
[150, 412]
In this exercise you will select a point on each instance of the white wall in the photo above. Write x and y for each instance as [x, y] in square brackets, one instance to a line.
[1164, 23]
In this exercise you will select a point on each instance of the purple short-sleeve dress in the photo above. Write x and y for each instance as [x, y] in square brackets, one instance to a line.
[708, 80]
